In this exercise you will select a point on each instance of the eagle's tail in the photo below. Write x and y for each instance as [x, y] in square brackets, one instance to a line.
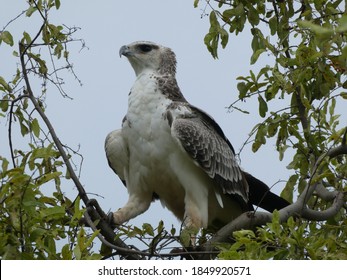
[261, 195]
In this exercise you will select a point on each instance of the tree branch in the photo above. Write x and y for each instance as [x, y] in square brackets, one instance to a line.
[13, 102]
[324, 194]
[251, 220]
[82, 193]
[324, 215]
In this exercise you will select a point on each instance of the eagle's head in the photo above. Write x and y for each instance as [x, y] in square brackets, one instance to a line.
[149, 56]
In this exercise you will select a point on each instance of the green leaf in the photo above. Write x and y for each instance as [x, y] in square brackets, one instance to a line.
[55, 211]
[16, 77]
[26, 38]
[253, 15]
[67, 174]
[332, 107]
[91, 238]
[281, 150]
[6, 37]
[23, 129]
[262, 106]
[4, 86]
[273, 25]
[42, 64]
[342, 27]
[211, 39]
[37, 233]
[173, 231]
[275, 225]
[147, 228]
[46, 36]
[303, 97]
[259, 137]
[66, 252]
[214, 21]
[243, 89]
[186, 236]
[4, 165]
[196, 3]
[256, 55]
[30, 11]
[35, 127]
[160, 226]
[244, 233]
[58, 50]
[48, 177]
[66, 54]
[57, 4]
[238, 11]
[317, 29]
[272, 128]
[287, 192]
[224, 35]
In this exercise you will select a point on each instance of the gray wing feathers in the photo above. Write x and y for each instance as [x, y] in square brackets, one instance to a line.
[212, 153]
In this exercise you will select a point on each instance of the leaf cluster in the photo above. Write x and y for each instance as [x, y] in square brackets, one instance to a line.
[32, 222]
[37, 220]
[292, 240]
[305, 44]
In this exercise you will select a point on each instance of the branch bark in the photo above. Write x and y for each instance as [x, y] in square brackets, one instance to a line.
[250, 220]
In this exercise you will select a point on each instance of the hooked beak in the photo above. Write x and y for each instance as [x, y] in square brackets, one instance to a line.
[124, 50]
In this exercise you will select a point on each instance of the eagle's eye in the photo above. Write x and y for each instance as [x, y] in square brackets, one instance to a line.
[145, 48]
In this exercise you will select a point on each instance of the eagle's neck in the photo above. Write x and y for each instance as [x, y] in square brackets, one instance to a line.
[164, 82]
[167, 84]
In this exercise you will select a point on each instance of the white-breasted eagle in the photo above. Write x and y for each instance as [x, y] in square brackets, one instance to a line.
[170, 150]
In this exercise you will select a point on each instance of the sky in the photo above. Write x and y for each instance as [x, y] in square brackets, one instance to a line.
[99, 105]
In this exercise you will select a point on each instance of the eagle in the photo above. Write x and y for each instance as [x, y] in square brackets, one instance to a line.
[170, 150]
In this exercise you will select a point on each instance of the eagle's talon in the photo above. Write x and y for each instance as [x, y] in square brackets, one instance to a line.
[91, 202]
[111, 221]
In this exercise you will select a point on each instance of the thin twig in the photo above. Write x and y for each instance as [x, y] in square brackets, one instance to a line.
[12, 20]
[13, 102]
[55, 138]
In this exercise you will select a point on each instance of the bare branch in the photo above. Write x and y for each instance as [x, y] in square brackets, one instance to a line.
[323, 215]
[120, 246]
[324, 194]
[340, 150]
[56, 140]
[12, 20]
[250, 220]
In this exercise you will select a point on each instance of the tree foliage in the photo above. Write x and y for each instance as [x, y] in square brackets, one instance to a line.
[31, 221]
[307, 43]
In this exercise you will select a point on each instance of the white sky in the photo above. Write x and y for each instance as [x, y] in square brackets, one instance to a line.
[100, 104]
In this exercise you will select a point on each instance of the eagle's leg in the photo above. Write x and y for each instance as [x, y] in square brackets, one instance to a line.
[195, 216]
[136, 205]
[190, 229]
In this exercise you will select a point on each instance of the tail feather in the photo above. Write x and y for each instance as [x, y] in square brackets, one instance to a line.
[261, 195]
